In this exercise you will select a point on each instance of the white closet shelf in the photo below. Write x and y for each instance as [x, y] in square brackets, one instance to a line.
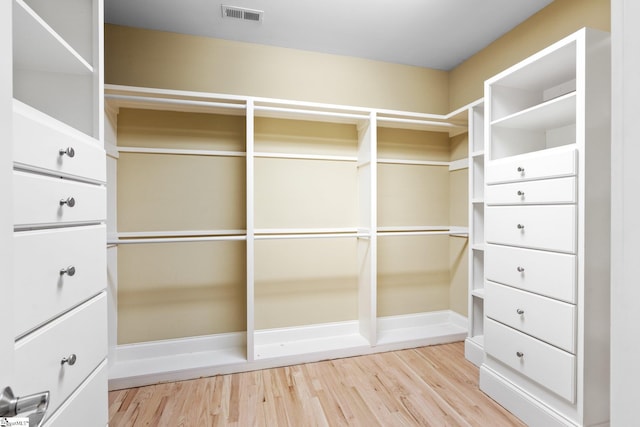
[149, 102]
[290, 113]
[421, 328]
[38, 47]
[297, 341]
[172, 360]
[478, 293]
[421, 125]
[552, 114]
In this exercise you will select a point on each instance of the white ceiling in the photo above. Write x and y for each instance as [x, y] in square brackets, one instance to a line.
[427, 33]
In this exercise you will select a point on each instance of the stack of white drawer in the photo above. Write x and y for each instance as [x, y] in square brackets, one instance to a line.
[60, 267]
[530, 267]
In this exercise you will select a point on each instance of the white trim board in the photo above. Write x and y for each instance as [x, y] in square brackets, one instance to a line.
[181, 359]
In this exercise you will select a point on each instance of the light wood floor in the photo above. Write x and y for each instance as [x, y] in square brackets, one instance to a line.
[429, 386]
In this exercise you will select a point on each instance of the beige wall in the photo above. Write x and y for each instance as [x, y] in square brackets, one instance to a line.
[405, 283]
[137, 57]
[559, 19]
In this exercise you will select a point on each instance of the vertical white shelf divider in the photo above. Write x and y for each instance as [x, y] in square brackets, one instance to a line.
[367, 251]
[250, 186]
[474, 348]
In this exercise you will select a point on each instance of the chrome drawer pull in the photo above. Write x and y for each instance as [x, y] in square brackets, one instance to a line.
[519, 311]
[520, 169]
[69, 271]
[520, 354]
[69, 201]
[71, 360]
[520, 269]
[69, 151]
[520, 193]
[520, 226]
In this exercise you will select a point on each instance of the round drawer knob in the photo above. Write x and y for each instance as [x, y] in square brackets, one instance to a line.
[69, 151]
[520, 269]
[519, 311]
[71, 360]
[520, 169]
[520, 193]
[520, 226]
[69, 201]
[69, 271]
[520, 354]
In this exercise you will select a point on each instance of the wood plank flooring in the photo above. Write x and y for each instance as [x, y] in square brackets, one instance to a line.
[429, 386]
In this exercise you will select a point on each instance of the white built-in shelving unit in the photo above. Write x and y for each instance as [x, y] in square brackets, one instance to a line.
[294, 193]
[547, 233]
[58, 208]
[474, 344]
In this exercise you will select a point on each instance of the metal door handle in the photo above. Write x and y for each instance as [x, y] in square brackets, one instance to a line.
[33, 406]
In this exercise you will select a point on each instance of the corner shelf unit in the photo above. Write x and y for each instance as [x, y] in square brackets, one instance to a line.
[284, 200]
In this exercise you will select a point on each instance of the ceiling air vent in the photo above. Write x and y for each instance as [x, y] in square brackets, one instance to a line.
[242, 13]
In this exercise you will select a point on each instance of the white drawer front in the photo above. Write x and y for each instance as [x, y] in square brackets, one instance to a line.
[543, 363]
[538, 227]
[38, 139]
[38, 356]
[87, 406]
[37, 200]
[41, 291]
[552, 164]
[545, 273]
[547, 191]
[547, 319]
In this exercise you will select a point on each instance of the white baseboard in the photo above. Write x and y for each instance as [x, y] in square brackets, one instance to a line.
[187, 358]
[474, 351]
[531, 411]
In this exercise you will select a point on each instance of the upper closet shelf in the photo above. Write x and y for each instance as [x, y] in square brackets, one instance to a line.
[555, 113]
[423, 125]
[312, 115]
[174, 104]
[188, 101]
[38, 47]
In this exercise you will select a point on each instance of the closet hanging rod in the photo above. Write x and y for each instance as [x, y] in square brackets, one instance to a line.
[414, 162]
[262, 154]
[177, 233]
[423, 233]
[214, 153]
[133, 241]
[309, 236]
